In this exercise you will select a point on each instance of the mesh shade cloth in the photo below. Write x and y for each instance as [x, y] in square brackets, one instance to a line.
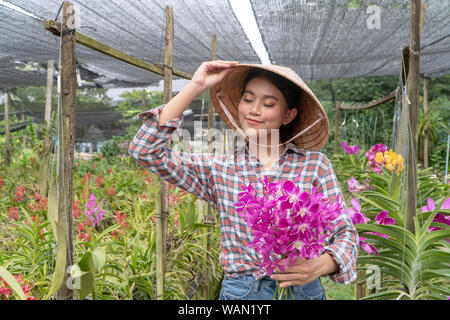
[319, 39]
[324, 39]
[133, 27]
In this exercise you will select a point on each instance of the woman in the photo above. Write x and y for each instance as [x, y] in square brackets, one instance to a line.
[283, 124]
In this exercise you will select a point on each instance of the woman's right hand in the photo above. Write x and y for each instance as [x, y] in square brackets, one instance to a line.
[212, 72]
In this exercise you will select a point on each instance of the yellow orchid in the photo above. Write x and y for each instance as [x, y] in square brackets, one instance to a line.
[390, 160]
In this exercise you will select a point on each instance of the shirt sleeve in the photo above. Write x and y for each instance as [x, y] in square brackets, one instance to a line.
[189, 171]
[343, 243]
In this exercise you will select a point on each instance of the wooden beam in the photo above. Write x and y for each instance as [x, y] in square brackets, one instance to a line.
[371, 104]
[55, 28]
[176, 72]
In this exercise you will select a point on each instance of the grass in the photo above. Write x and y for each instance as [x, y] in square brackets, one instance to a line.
[335, 291]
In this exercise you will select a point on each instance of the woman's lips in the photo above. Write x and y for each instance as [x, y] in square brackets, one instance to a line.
[251, 121]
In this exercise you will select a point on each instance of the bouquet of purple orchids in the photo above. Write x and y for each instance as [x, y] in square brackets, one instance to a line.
[286, 223]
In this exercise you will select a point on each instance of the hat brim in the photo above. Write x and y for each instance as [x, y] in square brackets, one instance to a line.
[310, 109]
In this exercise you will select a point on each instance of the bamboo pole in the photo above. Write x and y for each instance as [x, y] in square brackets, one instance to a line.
[209, 219]
[336, 128]
[7, 136]
[162, 215]
[425, 110]
[66, 141]
[360, 286]
[413, 98]
[43, 181]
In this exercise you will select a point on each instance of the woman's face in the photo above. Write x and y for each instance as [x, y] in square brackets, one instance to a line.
[262, 106]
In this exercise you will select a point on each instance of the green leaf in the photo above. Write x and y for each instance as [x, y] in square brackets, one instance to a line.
[87, 262]
[388, 295]
[107, 231]
[60, 266]
[441, 272]
[86, 284]
[12, 283]
[432, 237]
[52, 211]
[397, 232]
[99, 257]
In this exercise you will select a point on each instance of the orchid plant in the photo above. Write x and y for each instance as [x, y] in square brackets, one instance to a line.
[286, 223]
[413, 265]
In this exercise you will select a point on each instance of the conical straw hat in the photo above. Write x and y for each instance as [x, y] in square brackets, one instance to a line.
[312, 117]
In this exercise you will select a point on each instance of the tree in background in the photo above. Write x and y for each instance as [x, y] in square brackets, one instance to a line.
[134, 104]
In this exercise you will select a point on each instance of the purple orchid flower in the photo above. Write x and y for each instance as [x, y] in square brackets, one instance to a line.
[350, 149]
[371, 154]
[354, 186]
[355, 213]
[93, 212]
[383, 219]
[286, 222]
[367, 247]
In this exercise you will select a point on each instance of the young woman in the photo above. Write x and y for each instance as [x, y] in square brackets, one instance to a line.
[254, 100]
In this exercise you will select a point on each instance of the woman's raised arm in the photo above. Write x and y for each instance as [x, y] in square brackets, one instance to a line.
[208, 74]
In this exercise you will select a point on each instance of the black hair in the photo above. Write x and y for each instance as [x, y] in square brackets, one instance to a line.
[291, 93]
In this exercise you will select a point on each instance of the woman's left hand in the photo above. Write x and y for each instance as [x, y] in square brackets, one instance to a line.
[305, 271]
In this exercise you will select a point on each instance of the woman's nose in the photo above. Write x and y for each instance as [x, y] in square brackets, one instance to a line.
[255, 108]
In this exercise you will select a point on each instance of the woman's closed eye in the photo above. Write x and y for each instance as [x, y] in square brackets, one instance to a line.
[266, 105]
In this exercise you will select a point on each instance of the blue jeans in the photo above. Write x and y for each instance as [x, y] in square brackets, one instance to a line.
[248, 288]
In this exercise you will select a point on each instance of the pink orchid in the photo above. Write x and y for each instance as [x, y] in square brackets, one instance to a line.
[367, 247]
[350, 149]
[371, 154]
[286, 222]
[354, 186]
[383, 219]
[355, 213]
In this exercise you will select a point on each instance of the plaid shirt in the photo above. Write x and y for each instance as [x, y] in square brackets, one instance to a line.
[217, 179]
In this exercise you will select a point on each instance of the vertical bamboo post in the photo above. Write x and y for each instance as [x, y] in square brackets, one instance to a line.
[211, 125]
[67, 127]
[162, 214]
[413, 97]
[425, 136]
[360, 287]
[43, 186]
[7, 137]
[336, 128]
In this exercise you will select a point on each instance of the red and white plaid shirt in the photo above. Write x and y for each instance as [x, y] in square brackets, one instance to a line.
[217, 179]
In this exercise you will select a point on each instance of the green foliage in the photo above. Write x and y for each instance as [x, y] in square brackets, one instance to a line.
[12, 283]
[412, 265]
[110, 149]
[127, 270]
[133, 105]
